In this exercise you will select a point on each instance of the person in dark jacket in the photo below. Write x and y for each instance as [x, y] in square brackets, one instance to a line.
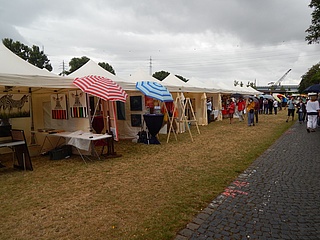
[301, 110]
[256, 110]
[270, 105]
[261, 105]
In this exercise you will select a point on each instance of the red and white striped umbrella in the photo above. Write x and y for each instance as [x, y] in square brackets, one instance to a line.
[101, 87]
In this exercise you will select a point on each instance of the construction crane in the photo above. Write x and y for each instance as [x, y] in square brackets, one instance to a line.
[274, 85]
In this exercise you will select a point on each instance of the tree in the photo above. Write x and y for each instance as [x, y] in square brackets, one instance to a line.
[39, 59]
[160, 75]
[76, 63]
[182, 78]
[314, 30]
[311, 77]
[251, 84]
[32, 55]
[107, 67]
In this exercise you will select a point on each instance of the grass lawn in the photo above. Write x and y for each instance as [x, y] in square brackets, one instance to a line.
[151, 192]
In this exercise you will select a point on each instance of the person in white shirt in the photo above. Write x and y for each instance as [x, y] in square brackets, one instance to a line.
[313, 111]
[275, 106]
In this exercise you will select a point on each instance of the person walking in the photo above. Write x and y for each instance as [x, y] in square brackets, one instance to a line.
[241, 106]
[261, 105]
[256, 110]
[275, 106]
[284, 102]
[230, 109]
[209, 110]
[270, 105]
[313, 111]
[291, 109]
[265, 106]
[301, 110]
[250, 112]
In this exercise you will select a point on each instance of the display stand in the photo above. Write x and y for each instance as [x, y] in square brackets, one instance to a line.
[154, 124]
[183, 104]
[21, 150]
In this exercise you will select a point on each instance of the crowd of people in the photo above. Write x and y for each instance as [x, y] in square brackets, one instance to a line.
[307, 109]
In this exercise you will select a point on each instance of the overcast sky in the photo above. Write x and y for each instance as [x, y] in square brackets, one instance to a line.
[208, 40]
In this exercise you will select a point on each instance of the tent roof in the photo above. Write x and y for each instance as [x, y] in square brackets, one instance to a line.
[208, 88]
[92, 68]
[16, 72]
[140, 75]
[10, 63]
[175, 84]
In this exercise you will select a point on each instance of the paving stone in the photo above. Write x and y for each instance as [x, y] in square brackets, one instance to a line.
[282, 200]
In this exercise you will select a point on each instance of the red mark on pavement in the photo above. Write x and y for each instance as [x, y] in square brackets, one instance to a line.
[229, 192]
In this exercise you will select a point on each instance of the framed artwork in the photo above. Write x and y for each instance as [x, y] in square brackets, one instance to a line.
[136, 103]
[136, 120]
[121, 110]
[78, 104]
[59, 106]
[14, 106]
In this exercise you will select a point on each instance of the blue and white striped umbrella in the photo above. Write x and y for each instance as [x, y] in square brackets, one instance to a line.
[154, 90]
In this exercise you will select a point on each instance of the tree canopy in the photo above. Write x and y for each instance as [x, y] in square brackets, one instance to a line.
[160, 75]
[163, 74]
[182, 78]
[32, 55]
[314, 30]
[76, 63]
[311, 77]
[107, 67]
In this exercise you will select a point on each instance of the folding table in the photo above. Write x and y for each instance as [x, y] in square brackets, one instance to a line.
[82, 140]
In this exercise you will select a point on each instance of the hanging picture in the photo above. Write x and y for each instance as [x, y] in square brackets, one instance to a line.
[59, 106]
[136, 120]
[78, 104]
[135, 103]
[14, 105]
[121, 110]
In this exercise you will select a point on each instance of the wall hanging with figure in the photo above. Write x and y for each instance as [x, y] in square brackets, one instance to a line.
[59, 106]
[14, 105]
[78, 104]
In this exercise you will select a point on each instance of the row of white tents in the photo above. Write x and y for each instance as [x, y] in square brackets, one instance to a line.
[19, 77]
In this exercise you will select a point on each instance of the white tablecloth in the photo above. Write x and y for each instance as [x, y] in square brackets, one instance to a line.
[81, 140]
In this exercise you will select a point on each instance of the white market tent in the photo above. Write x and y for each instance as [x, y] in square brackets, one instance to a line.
[119, 127]
[124, 123]
[92, 68]
[20, 77]
[196, 94]
[137, 76]
[16, 72]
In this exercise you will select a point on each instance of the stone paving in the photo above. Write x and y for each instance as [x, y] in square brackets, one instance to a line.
[277, 197]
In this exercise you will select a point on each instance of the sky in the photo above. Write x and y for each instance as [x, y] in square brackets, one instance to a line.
[207, 40]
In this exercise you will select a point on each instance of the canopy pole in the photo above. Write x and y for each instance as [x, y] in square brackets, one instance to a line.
[33, 137]
[95, 110]
[89, 112]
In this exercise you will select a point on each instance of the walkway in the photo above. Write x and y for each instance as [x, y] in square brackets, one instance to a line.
[277, 197]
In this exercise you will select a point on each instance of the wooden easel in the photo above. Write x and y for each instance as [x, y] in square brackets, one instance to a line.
[183, 105]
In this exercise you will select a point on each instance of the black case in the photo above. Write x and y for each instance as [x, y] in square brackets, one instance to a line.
[61, 152]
